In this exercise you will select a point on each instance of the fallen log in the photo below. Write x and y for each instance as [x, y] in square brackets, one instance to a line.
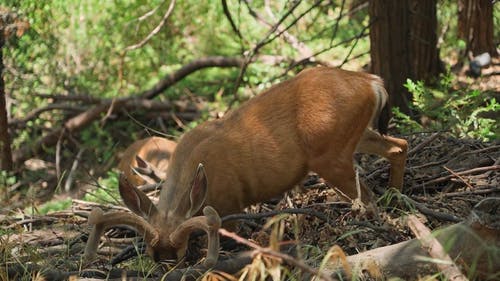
[474, 245]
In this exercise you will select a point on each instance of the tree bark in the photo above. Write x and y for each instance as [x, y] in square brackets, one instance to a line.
[424, 54]
[475, 26]
[389, 52]
[403, 45]
[5, 150]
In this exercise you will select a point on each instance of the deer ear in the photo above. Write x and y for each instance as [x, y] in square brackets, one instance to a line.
[136, 200]
[198, 192]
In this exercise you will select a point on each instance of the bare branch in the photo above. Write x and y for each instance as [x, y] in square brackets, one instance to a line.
[227, 13]
[155, 30]
[267, 251]
[83, 119]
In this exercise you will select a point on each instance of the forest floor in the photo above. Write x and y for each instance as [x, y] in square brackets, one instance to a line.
[447, 175]
[444, 178]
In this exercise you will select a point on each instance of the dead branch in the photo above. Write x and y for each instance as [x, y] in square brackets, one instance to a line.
[435, 249]
[36, 113]
[71, 174]
[427, 141]
[474, 245]
[459, 177]
[267, 251]
[310, 212]
[421, 207]
[431, 183]
[71, 97]
[475, 191]
[187, 69]
[85, 118]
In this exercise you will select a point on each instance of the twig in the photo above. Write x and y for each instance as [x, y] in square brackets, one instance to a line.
[493, 147]
[451, 156]
[337, 22]
[310, 212]
[69, 179]
[435, 249]
[35, 113]
[458, 176]
[476, 191]
[301, 47]
[426, 211]
[227, 13]
[267, 251]
[356, 40]
[255, 50]
[462, 173]
[155, 30]
[424, 143]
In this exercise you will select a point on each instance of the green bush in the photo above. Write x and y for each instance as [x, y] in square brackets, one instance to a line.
[464, 112]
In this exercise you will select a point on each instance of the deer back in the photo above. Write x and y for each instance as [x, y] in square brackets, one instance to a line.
[154, 151]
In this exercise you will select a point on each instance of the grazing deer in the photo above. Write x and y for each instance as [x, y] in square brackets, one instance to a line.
[315, 121]
[146, 160]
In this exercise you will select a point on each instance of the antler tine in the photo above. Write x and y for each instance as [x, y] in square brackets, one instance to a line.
[210, 223]
[102, 221]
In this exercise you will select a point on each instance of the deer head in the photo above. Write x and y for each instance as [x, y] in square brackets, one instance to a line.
[166, 235]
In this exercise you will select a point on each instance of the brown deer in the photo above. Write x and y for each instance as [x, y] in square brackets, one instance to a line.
[315, 121]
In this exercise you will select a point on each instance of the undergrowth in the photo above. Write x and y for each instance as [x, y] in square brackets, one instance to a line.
[464, 112]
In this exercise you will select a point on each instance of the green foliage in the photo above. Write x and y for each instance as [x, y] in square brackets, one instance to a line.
[54, 205]
[107, 191]
[6, 179]
[464, 112]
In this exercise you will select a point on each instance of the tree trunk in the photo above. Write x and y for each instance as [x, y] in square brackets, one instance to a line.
[475, 26]
[403, 45]
[5, 150]
[424, 54]
[389, 52]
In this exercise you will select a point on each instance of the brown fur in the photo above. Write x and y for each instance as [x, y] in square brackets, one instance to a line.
[157, 151]
[315, 121]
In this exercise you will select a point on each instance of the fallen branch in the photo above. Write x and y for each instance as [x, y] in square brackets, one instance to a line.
[85, 118]
[458, 176]
[309, 212]
[429, 184]
[474, 245]
[476, 191]
[419, 146]
[421, 207]
[268, 251]
[435, 249]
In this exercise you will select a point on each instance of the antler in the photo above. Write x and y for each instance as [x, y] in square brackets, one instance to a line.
[210, 223]
[103, 221]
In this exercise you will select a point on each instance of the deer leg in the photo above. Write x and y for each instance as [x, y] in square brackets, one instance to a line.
[341, 176]
[393, 149]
